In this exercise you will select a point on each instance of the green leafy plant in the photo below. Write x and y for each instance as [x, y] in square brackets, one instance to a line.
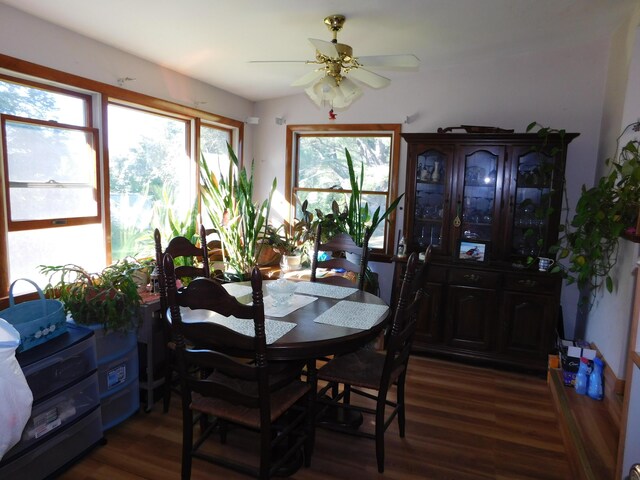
[355, 217]
[292, 238]
[109, 298]
[238, 220]
[603, 213]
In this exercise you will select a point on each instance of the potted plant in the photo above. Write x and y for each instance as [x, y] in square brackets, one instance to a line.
[291, 240]
[109, 299]
[238, 220]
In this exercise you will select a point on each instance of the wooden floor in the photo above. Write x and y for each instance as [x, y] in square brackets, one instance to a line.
[462, 423]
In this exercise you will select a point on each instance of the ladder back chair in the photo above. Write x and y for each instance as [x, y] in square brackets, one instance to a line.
[241, 393]
[178, 247]
[377, 371]
[340, 245]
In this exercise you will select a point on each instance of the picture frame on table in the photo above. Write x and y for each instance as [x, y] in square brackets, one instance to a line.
[473, 251]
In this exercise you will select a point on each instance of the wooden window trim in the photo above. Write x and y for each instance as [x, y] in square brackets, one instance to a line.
[293, 131]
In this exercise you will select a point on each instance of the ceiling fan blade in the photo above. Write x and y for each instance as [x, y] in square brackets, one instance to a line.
[390, 61]
[369, 78]
[277, 61]
[327, 49]
[309, 77]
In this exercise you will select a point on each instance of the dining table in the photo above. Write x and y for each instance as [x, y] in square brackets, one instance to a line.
[320, 319]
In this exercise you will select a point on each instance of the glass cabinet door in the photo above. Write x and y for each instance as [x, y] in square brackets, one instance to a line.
[477, 200]
[532, 204]
[431, 177]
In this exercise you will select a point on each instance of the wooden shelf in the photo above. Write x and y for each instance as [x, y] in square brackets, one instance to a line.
[589, 430]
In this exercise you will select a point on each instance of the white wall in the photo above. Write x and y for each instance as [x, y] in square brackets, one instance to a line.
[563, 88]
[29, 38]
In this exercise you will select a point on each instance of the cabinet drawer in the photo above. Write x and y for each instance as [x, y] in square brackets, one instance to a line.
[61, 369]
[474, 278]
[532, 284]
[55, 453]
[57, 412]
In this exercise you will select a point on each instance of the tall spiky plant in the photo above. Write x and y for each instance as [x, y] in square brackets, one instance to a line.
[239, 221]
[359, 219]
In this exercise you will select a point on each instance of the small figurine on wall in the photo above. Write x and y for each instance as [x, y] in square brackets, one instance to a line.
[332, 116]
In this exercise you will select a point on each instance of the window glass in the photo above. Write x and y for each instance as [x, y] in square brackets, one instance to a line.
[82, 245]
[37, 103]
[51, 171]
[322, 174]
[151, 179]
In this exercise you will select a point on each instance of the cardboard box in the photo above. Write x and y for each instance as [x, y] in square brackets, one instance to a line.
[570, 353]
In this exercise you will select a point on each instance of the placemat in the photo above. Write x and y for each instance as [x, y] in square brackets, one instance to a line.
[274, 329]
[352, 314]
[297, 301]
[237, 290]
[324, 290]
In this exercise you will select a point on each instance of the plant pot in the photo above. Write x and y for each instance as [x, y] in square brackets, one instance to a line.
[290, 263]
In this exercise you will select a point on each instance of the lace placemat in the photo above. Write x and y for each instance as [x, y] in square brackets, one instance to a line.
[274, 329]
[237, 290]
[352, 314]
[324, 290]
[297, 301]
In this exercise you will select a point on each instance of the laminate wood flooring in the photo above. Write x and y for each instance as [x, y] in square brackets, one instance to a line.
[463, 422]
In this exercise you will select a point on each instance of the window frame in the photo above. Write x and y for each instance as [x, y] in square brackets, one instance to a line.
[53, 222]
[294, 132]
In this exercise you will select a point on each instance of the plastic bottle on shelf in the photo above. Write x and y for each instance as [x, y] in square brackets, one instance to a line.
[595, 380]
[582, 377]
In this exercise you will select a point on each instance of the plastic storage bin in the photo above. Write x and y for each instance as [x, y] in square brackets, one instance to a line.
[120, 404]
[112, 344]
[118, 371]
[57, 412]
[61, 449]
[53, 372]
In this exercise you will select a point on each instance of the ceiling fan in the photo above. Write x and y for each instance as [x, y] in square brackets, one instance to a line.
[338, 79]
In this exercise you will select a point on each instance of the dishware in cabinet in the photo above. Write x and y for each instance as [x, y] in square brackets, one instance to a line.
[428, 192]
[535, 194]
[478, 194]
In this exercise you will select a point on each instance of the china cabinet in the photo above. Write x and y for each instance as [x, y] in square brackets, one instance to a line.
[486, 202]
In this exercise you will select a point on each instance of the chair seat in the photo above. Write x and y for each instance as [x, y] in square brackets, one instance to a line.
[362, 368]
[281, 401]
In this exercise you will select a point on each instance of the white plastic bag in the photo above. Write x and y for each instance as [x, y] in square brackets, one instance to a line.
[15, 395]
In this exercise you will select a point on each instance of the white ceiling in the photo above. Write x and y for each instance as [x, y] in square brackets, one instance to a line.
[215, 40]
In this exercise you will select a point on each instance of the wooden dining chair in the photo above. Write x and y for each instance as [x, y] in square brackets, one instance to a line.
[179, 248]
[341, 247]
[376, 371]
[278, 406]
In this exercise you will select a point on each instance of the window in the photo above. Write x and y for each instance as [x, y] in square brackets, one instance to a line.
[318, 170]
[54, 196]
[213, 145]
[151, 178]
[51, 186]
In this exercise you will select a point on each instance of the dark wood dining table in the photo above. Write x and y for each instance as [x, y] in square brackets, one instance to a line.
[310, 339]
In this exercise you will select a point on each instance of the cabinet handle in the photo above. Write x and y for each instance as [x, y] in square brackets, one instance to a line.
[528, 283]
[472, 277]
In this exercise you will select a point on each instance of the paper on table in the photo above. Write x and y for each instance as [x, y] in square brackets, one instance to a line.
[352, 314]
[237, 290]
[274, 329]
[324, 290]
[297, 301]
